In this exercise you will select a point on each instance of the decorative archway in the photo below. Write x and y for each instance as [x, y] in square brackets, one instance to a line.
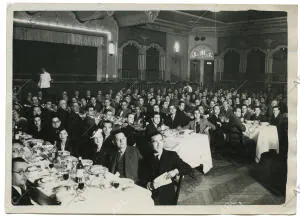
[201, 65]
[279, 61]
[231, 64]
[155, 62]
[256, 62]
[122, 71]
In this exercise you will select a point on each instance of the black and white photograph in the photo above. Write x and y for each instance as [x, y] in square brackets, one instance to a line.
[147, 108]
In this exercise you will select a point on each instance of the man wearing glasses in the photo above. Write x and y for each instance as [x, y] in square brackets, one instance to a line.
[20, 194]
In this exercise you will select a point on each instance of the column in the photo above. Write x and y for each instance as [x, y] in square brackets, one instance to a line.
[243, 62]
[201, 72]
[99, 63]
[269, 62]
[161, 66]
[120, 61]
[142, 63]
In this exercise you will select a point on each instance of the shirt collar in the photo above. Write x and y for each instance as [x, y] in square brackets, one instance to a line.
[18, 189]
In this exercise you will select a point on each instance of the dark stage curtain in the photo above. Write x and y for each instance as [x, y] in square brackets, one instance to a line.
[64, 62]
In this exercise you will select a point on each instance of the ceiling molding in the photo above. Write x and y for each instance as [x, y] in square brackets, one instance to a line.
[199, 17]
[159, 20]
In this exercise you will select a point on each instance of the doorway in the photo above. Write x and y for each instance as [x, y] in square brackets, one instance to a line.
[208, 73]
[195, 71]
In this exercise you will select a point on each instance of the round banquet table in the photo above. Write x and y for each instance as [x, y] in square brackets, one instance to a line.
[194, 149]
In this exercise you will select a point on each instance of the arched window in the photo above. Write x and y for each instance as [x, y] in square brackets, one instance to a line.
[130, 62]
[231, 65]
[255, 64]
[280, 62]
[152, 64]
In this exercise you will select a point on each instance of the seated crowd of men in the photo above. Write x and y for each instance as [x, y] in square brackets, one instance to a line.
[85, 126]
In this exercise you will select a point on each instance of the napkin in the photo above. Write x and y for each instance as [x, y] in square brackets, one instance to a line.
[162, 180]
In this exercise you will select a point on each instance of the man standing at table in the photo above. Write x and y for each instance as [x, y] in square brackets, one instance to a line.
[161, 161]
[125, 159]
[20, 193]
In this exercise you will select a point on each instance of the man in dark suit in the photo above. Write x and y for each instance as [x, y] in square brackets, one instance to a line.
[200, 124]
[276, 116]
[53, 134]
[93, 102]
[258, 115]
[175, 120]
[74, 127]
[226, 109]
[217, 135]
[161, 161]
[47, 115]
[62, 112]
[246, 115]
[125, 159]
[20, 193]
[124, 110]
[154, 126]
[64, 144]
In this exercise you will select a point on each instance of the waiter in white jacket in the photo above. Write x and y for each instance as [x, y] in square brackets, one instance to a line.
[45, 82]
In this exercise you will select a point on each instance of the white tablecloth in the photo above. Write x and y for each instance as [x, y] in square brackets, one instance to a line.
[192, 149]
[107, 198]
[113, 198]
[266, 138]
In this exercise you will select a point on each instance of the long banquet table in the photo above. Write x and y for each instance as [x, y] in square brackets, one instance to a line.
[100, 189]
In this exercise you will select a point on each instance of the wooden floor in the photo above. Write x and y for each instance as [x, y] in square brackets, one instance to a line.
[228, 183]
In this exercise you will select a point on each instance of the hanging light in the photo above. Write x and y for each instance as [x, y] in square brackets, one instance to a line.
[176, 47]
[111, 48]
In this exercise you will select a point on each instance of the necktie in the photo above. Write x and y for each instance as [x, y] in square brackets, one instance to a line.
[156, 164]
[197, 127]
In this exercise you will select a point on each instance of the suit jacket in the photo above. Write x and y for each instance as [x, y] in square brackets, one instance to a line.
[88, 126]
[179, 120]
[204, 123]
[150, 130]
[74, 126]
[47, 118]
[53, 135]
[18, 199]
[97, 106]
[169, 160]
[234, 125]
[276, 120]
[260, 117]
[247, 115]
[63, 116]
[38, 134]
[132, 158]
[228, 112]
[123, 113]
[214, 119]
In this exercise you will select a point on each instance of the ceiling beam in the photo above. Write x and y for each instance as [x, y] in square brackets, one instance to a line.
[172, 23]
[198, 17]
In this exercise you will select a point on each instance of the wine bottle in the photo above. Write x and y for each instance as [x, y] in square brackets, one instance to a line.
[79, 171]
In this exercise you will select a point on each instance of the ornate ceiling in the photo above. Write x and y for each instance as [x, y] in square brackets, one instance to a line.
[205, 22]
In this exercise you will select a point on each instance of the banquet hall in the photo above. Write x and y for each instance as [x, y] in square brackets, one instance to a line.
[174, 107]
